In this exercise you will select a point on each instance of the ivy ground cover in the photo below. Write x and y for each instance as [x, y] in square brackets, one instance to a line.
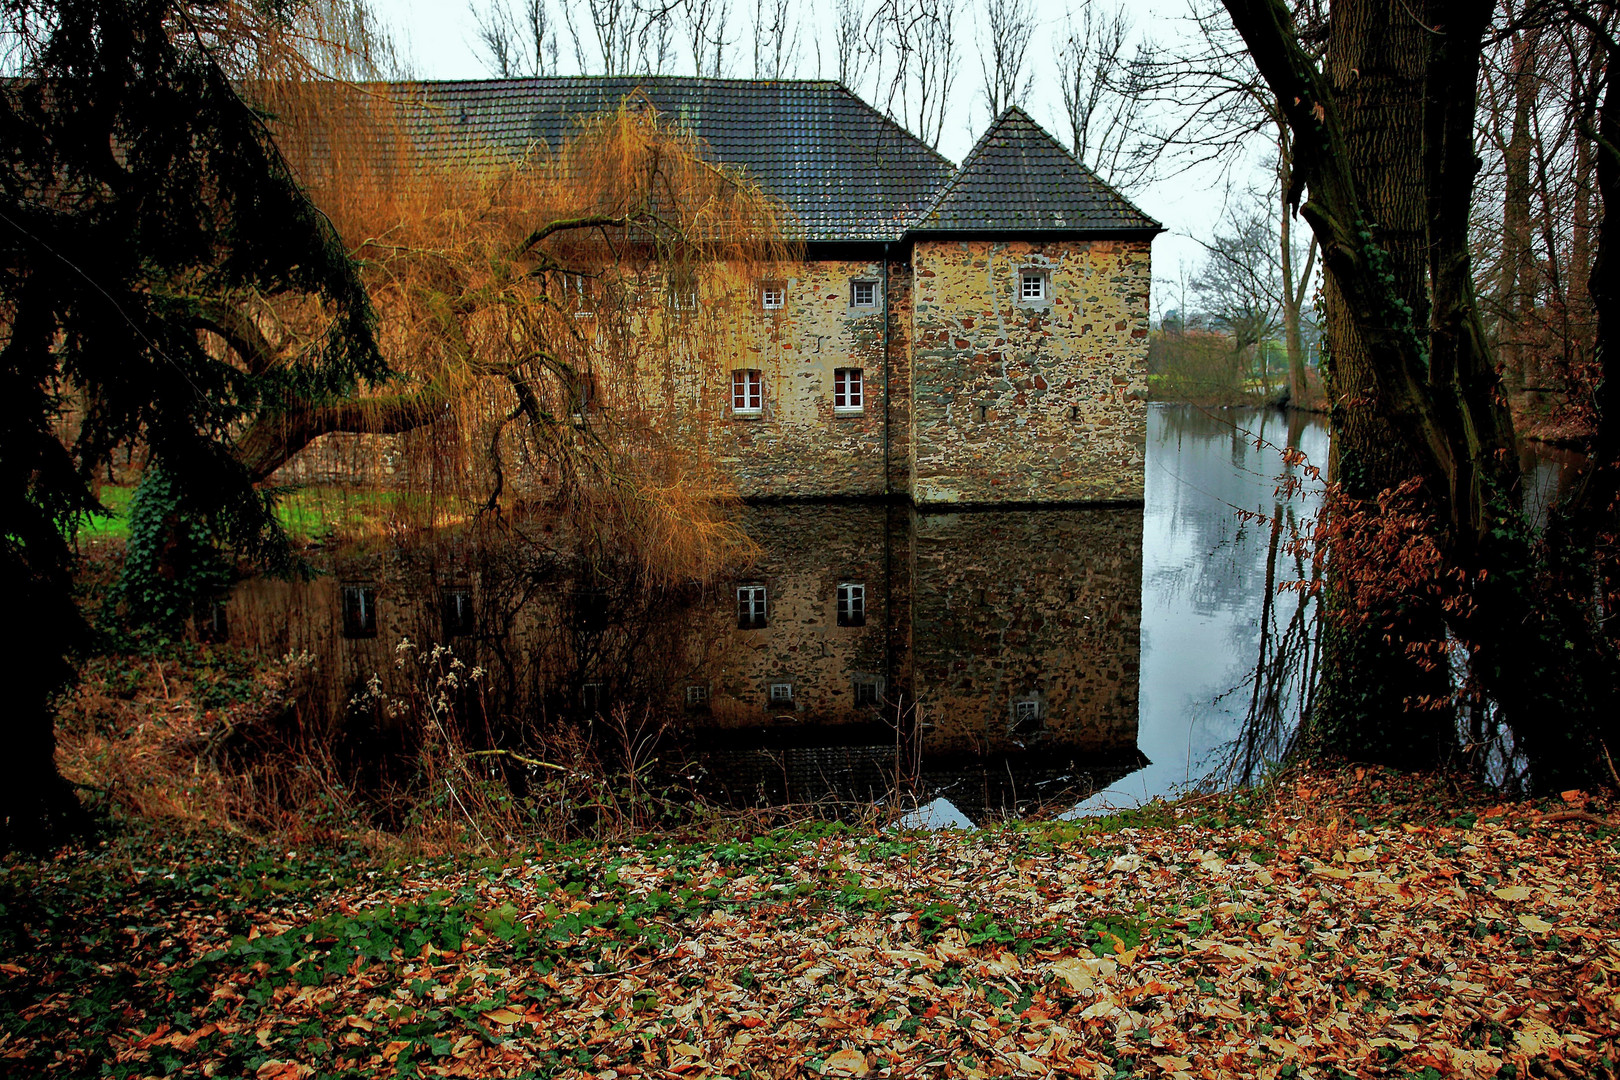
[1339, 926]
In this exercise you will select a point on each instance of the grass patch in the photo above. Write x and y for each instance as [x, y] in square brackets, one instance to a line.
[307, 513]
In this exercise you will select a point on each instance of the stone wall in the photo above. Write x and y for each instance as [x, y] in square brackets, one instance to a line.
[1020, 401]
[1040, 607]
[798, 446]
[984, 399]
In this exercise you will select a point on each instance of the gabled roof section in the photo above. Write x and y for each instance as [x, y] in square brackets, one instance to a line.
[1019, 179]
[844, 170]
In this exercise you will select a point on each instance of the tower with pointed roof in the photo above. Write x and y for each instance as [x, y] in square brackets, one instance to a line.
[1029, 329]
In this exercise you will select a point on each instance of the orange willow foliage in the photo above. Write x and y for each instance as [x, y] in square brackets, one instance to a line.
[535, 308]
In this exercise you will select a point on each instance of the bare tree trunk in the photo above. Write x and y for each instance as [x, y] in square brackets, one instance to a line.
[1003, 41]
[849, 27]
[1415, 380]
[1516, 270]
[1293, 291]
[776, 38]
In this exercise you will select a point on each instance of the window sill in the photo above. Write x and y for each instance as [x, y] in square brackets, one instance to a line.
[753, 414]
[849, 412]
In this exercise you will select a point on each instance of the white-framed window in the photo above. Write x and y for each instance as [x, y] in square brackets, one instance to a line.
[457, 607]
[747, 392]
[697, 694]
[213, 624]
[772, 295]
[1032, 285]
[851, 603]
[751, 614]
[781, 693]
[863, 294]
[848, 390]
[868, 690]
[577, 289]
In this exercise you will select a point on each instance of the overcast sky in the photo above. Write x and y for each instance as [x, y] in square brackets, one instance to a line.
[438, 40]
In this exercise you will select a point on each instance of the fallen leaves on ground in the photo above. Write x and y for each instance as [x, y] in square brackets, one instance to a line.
[1337, 928]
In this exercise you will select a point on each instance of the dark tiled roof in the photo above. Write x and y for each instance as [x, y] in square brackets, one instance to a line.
[844, 170]
[1020, 179]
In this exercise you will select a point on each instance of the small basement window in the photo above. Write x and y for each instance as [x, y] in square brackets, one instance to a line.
[772, 295]
[863, 294]
[781, 693]
[457, 607]
[359, 611]
[697, 696]
[851, 604]
[1032, 286]
[868, 690]
[212, 623]
[848, 390]
[747, 392]
[1028, 717]
[750, 607]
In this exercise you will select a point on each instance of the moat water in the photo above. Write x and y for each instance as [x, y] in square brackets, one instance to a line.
[970, 665]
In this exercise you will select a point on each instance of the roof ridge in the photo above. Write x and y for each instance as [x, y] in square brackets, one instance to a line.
[1057, 203]
[517, 79]
[962, 169]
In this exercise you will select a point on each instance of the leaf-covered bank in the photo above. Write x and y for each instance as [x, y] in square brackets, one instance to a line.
[1335, 927]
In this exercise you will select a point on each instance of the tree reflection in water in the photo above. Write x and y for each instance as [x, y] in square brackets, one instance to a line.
[1282, 683]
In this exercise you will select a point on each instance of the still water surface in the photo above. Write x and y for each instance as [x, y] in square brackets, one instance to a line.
[973, 664]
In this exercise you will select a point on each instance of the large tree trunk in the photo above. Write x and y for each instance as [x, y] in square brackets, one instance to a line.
[276, 436]
[1382, 691]
[1418, 408]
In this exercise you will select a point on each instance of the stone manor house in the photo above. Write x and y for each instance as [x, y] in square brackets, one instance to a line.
[972, 335]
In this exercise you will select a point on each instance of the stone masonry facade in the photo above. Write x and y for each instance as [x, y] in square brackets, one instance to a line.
[1029, 400]
[994, 314]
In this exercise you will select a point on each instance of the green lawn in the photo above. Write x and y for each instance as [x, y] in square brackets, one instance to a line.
[306, 512]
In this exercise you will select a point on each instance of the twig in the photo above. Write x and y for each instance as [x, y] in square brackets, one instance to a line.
[535, 762]
[1615, 776]
[470, 819]
[157, 667]
[1579, 815]
[623, 971]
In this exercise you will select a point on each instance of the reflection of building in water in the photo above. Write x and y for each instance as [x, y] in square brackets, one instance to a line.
[1007, 642]
[996, 630]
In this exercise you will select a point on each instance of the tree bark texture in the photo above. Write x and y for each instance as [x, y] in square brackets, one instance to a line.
[1376, 66]
[1384, 145]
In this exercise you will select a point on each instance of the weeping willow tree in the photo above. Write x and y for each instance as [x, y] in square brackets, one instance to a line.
[211, 249]
[554, 318]
[134, 178]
